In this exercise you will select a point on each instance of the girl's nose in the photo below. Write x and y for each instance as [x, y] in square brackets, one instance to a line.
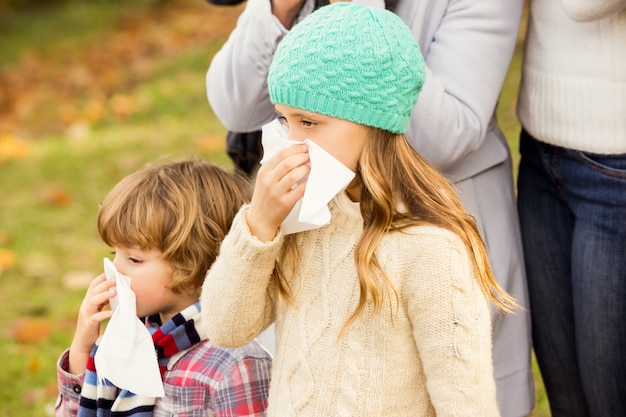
[296, 137]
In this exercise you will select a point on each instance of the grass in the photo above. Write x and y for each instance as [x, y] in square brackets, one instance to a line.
[86, 106]
[86, 20]
[53, 179]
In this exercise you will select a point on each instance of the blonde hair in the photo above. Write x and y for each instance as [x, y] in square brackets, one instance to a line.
[394, 175]
[182, 208]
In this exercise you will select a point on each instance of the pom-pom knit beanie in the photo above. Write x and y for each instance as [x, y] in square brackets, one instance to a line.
[350, 61]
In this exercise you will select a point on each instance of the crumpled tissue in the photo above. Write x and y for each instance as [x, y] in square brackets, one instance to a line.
[327, 178]
[126, 354]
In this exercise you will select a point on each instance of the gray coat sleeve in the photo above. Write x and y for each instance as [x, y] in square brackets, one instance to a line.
[467, 46]
[236, 81]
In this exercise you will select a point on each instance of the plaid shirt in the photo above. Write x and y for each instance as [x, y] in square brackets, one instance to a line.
[202, 381]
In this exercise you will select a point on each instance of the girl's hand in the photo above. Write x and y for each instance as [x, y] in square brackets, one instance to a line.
[90, 315]
[280, 183]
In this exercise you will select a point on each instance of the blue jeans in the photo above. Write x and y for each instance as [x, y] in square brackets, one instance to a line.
[573, 217]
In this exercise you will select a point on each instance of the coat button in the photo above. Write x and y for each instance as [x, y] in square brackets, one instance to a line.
[77, 389]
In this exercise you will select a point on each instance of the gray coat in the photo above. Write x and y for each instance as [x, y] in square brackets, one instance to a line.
[467, 46]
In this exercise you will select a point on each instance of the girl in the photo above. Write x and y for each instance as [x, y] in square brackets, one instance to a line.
[384, 311]
[165, 224]
[467, 47]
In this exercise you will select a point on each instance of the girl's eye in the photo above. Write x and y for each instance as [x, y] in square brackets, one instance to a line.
[282, 119]
[135, 260]
[307, 123]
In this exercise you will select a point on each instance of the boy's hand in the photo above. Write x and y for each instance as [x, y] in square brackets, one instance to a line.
[280, 183]
[90, 315]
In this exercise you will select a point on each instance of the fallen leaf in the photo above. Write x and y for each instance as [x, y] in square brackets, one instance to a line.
[58, 197]
[7, 259]
[12, 147]
[31, 329]
[34, 365]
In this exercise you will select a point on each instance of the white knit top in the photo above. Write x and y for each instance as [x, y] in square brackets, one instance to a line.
[573, 90]
[427, 354]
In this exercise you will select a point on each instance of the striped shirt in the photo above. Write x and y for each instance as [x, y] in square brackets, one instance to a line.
[202, 381]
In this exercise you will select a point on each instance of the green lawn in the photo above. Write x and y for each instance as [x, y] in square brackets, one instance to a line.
[90, 92]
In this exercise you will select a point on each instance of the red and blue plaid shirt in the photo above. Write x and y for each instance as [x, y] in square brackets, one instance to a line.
[202, 381]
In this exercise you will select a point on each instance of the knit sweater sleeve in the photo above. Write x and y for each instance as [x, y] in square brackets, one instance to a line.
[237, 295]
[452, 328]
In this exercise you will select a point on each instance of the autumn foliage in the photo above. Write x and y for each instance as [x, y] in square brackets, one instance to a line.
[59, 104]
[63, 87]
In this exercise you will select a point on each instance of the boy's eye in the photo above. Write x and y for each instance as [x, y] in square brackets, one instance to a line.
[307, 123]
[135, 260]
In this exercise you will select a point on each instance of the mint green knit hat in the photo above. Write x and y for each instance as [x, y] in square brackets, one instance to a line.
[350, 61]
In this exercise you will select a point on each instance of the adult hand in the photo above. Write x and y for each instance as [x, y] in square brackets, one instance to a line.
[286, 11]
[90, 315]
[280, 183]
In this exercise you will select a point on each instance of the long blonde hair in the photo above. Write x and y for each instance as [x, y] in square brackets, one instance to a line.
[394, 175]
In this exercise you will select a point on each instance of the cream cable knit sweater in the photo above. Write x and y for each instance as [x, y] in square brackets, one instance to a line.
[573, 90]
[428, 355]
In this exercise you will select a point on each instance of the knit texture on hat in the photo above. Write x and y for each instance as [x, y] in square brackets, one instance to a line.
[350, 61]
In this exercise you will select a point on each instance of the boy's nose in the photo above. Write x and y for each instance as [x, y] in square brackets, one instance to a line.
[118, 266]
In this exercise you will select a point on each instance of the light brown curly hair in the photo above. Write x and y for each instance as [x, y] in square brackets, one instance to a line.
[182, 208]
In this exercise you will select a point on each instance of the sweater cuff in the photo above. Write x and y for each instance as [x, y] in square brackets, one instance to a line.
[241, 217]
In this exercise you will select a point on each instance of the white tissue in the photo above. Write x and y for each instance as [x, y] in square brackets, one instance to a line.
[111, 273]
[126, 354]
[327, 178]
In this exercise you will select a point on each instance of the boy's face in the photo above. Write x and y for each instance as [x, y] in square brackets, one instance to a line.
[341, 138]
[149, 274]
